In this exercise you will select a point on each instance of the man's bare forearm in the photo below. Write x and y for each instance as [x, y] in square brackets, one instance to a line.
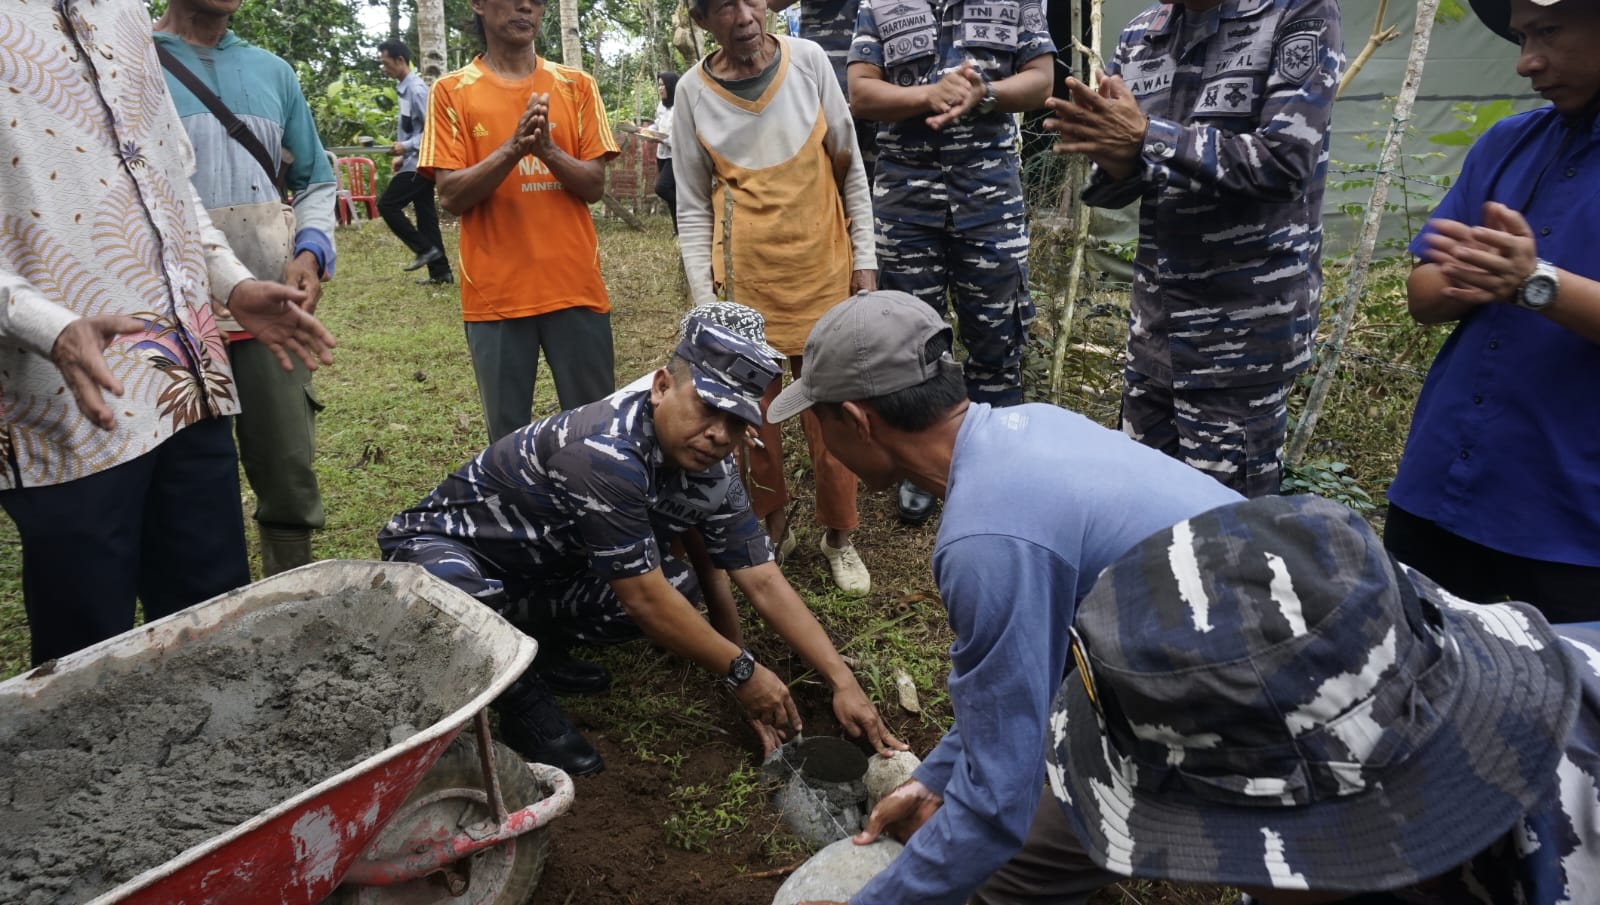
[462, 190]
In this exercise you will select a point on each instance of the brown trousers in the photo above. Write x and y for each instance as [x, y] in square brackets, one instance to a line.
[836, 485]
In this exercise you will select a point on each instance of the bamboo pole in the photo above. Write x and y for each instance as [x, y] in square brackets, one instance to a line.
[1089, 66]
[1427, 13]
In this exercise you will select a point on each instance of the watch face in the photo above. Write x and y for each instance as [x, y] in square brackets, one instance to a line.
[1538, 292]
[743, 667]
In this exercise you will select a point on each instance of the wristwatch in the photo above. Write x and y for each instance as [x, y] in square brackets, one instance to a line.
[1538, 291]
[741, 669]
[988, 102]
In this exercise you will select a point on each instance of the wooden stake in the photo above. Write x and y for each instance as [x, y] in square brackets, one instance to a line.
[1427, 13]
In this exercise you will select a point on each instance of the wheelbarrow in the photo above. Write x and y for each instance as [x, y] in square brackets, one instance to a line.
[432, 818]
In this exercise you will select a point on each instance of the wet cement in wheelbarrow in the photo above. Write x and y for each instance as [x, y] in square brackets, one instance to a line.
[121, 777]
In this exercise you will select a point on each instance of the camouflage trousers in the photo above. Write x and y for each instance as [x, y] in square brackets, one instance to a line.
[583, 610]
[984, 271]
[1234, 434]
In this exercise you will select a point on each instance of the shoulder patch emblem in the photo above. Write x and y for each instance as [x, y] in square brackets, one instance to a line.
[1297, 57]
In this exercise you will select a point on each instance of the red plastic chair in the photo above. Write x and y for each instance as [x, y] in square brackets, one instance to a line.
[358, 181]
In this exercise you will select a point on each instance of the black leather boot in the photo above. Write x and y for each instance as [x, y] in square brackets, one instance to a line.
[531, 723]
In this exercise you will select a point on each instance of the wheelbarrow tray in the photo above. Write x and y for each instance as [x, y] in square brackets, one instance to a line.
[296, 852]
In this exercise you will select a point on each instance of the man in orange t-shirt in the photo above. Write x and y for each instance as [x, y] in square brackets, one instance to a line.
[518, 146]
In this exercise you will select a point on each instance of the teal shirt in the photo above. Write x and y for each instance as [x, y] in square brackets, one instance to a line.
[261, 89]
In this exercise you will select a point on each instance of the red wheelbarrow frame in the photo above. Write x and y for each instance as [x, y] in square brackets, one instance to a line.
[299, 851]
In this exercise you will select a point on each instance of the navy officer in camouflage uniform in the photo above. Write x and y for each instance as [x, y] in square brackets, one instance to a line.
[942, 78]
[1214, 115]
[1266, 699]
[564, 526]
[831, 25]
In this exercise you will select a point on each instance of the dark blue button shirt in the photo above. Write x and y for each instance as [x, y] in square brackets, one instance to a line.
[1505, 444]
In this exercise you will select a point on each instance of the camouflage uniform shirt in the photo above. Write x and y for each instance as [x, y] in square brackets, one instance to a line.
[965, 175]
[1229, 268]
[831, 24]
[587, 492]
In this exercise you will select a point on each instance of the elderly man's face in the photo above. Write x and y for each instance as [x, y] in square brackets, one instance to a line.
[738, 25]
[1559, 53]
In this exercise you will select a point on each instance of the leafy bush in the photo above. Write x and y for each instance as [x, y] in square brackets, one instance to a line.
[352, 106]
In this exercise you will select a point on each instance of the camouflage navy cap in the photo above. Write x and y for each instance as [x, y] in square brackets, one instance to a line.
[868, 345]
[1497, 15]
[1264, 697]
[741, 319]
[731, 373]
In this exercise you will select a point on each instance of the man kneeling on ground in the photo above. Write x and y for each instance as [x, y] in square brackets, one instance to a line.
[564, 526]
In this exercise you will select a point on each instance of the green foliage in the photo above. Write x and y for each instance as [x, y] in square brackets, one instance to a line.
[1476, 120]
[1330, 480]
[351, 106]
[703, 814]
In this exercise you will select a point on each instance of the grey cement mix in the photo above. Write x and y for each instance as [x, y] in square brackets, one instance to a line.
[151, 758]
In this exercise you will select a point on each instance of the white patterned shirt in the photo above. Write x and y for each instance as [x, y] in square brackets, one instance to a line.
[98, 217]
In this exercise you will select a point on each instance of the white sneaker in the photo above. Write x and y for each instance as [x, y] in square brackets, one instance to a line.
[849, 572]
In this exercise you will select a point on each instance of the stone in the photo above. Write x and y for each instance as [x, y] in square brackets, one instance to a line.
[837, 872]
[885, 774]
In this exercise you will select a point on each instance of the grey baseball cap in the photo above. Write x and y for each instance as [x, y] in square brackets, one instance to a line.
[1497, 15]
[867, 346]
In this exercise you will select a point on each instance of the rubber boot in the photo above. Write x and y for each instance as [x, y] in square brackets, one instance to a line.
[283, 549]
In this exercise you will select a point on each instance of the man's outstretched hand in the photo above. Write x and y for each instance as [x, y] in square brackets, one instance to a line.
[271, 312]
[80, 354]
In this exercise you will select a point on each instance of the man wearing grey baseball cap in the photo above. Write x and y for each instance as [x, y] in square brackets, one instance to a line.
[1498, 492]
[1037, 500]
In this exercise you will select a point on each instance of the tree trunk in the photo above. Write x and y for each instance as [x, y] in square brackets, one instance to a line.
[571, 44]
[430, 39]
[1427, 12]
[394, 20]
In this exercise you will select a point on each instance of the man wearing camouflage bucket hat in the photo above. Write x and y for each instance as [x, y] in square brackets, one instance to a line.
[1266, 699]
[564, 526]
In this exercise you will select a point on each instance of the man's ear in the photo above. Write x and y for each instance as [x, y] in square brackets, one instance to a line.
[660, 386]
[861, 418]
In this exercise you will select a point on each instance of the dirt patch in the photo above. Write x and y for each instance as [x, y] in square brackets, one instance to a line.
[104, 781]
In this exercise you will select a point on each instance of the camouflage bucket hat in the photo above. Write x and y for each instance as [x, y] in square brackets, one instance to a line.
[1263, 697]
[1497, 15]
[731, 373]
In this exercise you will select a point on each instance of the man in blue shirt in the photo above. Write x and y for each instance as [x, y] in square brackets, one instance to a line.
[1498, 492]
[406, 187]
[1037, 501]
[1265, 699]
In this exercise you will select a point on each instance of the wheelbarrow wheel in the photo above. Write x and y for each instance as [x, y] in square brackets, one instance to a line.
[448, 800]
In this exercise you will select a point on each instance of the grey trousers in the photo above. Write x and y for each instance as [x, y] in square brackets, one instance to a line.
[505, 357]
[1051, 867]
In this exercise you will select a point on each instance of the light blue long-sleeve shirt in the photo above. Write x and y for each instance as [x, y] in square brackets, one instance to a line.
[413, 113]
[1039, 501]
